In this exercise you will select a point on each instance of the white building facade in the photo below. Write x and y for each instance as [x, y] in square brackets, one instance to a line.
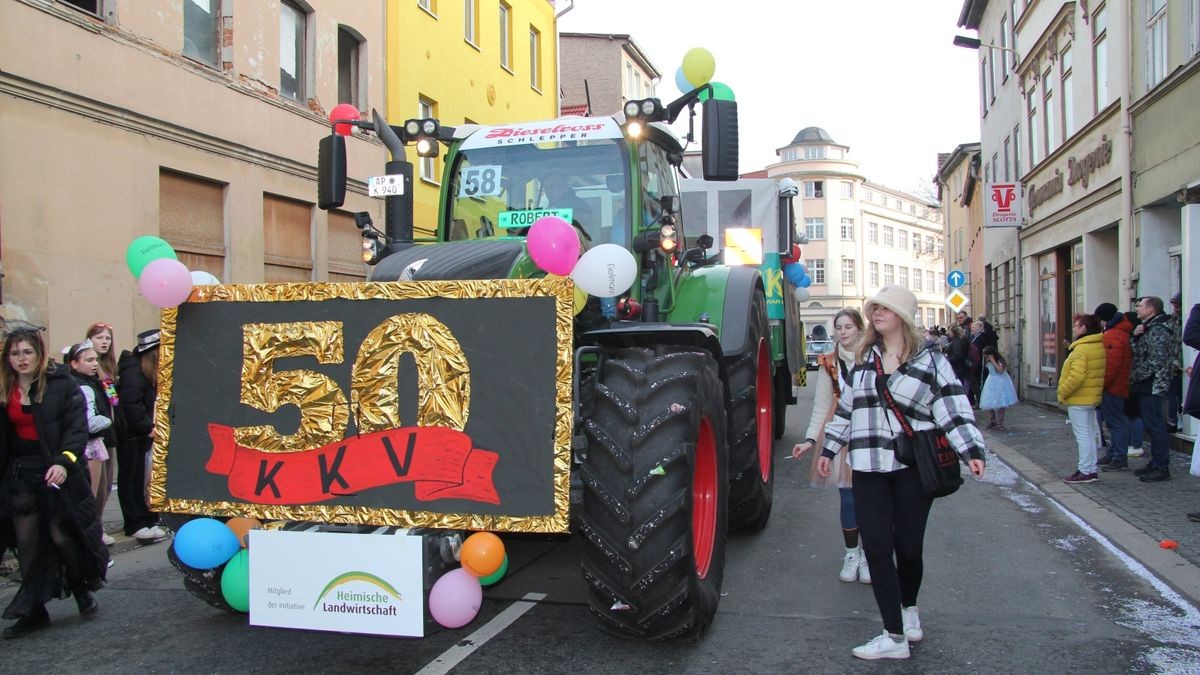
[862, 235]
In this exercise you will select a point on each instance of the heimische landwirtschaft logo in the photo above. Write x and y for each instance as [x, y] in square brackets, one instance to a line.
[367, 594]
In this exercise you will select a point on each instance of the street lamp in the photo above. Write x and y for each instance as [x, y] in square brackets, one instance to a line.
[975, 43]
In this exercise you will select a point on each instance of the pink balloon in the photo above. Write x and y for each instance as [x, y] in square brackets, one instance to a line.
[553, 245]
[165, 282]
[455, 598]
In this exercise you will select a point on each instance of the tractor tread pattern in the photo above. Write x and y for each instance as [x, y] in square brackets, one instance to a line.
[749, 496]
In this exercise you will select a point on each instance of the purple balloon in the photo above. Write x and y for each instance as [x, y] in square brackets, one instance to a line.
[455, 598]
[165, 282]
[553, 245]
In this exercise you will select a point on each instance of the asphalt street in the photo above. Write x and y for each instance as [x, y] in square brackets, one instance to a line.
[1015, 581]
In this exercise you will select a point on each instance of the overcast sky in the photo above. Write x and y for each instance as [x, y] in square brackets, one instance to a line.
[879, 75]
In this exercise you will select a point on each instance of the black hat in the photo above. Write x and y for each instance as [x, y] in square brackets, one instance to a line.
[147, 340]
[1105, 311]
[1177, 299]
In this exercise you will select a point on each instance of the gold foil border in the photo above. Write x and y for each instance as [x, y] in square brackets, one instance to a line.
[561, 289]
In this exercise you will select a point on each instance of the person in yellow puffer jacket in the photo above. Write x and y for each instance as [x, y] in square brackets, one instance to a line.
[1080, 388]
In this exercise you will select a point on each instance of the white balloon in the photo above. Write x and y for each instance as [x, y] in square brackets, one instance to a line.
[801, 294]
[605, 271]
[202, 278]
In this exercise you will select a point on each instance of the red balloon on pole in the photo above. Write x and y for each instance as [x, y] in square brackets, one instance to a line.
[344, 111]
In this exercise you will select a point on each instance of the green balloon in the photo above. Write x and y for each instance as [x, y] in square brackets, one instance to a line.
[497, 575]
[143, 250]
[235, 581]
[720, 91]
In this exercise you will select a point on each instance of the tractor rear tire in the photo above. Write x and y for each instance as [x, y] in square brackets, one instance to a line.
[655, 489]
[751, 426]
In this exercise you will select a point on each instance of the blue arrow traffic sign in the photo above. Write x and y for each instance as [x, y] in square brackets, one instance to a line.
[955, 279]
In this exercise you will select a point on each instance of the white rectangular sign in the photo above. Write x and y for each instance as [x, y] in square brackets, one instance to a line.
[385, 186]
[1003, 204]
[349, 583]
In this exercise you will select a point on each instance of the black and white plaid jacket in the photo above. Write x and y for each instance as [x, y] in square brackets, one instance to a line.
[925, 389]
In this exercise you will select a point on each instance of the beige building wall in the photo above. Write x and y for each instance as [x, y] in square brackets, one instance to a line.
[114, 134]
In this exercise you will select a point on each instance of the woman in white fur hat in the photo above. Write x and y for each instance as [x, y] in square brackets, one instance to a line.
[890, 505]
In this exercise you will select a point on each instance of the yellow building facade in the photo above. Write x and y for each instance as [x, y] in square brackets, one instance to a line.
[467, 61]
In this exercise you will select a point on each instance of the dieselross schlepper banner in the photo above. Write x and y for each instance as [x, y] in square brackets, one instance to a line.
[411, 404]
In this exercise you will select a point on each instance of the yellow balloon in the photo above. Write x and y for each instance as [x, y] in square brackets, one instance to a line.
[699, 66]
[580, 300]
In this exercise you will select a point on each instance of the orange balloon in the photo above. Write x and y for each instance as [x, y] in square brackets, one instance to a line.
[242, 526]
[482, 554]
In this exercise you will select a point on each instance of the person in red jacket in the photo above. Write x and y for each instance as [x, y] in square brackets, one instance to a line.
[1118, 361]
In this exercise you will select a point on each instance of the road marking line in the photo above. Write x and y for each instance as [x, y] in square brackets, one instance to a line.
[453, 656]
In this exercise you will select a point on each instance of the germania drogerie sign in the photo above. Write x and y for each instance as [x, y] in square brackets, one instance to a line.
[1079, 172]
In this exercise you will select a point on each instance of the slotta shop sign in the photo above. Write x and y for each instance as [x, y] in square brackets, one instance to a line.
[411, 404]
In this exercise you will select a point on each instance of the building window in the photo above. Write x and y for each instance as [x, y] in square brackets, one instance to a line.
[505, 36]
[1016, 149]
[814, 189]
[1048, 318]
[427, 108]
[789, 155]
[200, 26]
[902, 239]
[292, 57]
[916, 280]
[992, 79]
[903, 278]
[847, 190]
[1193, 21]
[814, 152]
[1007, 153]
[868, 196]
[535, 58]
[847, 229]
[889, 275]
[345, 249]
[90, 6]
[1068, 100]
[983, 98]
[1048, 112]
[916, 242]
[873, 271]
[889, 236]
[848, 276]
[1004, 53]
[471, 21]
[428, 5]
[1035, 150]
[815, 227]
[191, 217]
[1156, 42]
[930, 317]
[287, 239]
[1100, 56]
[349, 67]
[816, 270]
[873, 233]
[929, 280]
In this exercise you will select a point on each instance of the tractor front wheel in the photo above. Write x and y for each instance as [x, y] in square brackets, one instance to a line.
[751, 425]
[655, 484]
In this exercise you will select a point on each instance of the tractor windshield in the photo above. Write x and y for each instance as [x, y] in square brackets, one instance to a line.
[502, 190]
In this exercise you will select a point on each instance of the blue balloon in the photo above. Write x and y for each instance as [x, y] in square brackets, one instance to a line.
[805, 282]
[681, 81]
[205, 543]
[794, 272]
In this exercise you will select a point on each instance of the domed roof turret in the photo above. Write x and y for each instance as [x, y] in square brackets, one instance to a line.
[813, 135]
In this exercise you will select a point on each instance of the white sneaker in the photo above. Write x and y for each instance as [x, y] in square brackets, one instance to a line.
[107, 539]
[864, 572]
[882, 647]
[150, 534]
[1134, 451]
[912, 624]
[850, 566]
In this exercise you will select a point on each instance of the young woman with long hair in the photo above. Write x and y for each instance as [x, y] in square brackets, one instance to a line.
[85, 365]
[102, 339]
[43, 488]
[890, 505]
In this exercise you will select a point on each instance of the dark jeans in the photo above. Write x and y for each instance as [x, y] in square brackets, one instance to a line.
[1112, 411]
[892, 510]
[131, 485]
[1174, 396]
[1156, 428]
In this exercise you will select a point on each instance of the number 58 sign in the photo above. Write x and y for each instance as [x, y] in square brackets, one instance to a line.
[434, 404]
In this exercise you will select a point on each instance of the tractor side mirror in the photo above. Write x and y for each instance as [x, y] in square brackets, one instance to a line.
[331, 172]
[720, 150]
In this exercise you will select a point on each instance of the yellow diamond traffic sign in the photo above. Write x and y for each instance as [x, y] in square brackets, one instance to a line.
[956, 300]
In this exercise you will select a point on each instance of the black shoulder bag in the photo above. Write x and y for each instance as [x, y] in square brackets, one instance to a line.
[935, 460]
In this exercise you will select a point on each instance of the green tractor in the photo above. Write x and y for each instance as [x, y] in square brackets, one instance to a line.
[680, 380]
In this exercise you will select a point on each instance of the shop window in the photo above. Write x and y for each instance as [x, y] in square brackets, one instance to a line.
[287, 239]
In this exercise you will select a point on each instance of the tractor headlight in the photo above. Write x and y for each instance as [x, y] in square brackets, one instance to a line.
[667, 241]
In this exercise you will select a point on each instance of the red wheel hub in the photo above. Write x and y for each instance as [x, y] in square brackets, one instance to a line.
[704, 498]
[765, 411]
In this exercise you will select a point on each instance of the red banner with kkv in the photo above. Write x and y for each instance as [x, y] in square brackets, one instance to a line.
[441, 462]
